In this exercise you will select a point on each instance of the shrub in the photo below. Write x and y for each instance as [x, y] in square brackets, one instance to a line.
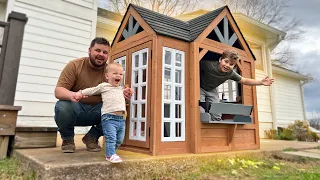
[271, 134]
[299, 130]
[286, 134]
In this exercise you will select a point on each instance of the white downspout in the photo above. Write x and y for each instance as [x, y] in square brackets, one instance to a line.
[271, 90]
[302, 98]
[270, 47]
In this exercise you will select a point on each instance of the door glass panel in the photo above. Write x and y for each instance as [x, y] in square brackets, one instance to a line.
[134, 110]
[167, 110]
[178, 129]
[144, 75]
[178, 93]
[136, 60]
[144, 58]
[178, 110]
[144, 91]
[134, 130]
[178, 60]
[167, 91]
[143, 110]
[178, 76]
[167, 74]
[143, 129]
[168, 58]
[135, 95]
[166, 129]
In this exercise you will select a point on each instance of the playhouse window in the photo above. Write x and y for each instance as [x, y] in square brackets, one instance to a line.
[173, 101]
[229, 90]
[122, 61]
[138, 106]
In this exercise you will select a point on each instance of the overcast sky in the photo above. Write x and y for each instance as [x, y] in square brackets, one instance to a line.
[308, 51]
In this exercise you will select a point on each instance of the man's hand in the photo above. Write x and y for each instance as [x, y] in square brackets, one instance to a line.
[267, 81]
[128, 92]
[76, 96]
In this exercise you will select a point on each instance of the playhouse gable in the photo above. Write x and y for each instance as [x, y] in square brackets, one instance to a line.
[219, 26]
[131, 25]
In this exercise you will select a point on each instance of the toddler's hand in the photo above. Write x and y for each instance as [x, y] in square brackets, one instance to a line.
[78, 95]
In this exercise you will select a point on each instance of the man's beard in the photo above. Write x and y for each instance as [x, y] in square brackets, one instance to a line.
[93, 62]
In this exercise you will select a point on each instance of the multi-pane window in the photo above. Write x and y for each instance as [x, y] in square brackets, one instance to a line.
[122, 61]
[138, 104]
[173, 89]
[228, 91]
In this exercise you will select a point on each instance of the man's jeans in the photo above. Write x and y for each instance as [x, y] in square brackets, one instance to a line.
[69, 114]
[113, 129]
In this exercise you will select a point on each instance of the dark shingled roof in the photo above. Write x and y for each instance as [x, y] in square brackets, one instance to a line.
[163, 24]
[198, 24]
[186, 31]
[168, 26]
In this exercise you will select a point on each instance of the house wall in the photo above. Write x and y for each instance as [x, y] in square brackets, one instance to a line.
[57, 31]
[107, 28]
[289, 102]
[2, 11]
[263, 92]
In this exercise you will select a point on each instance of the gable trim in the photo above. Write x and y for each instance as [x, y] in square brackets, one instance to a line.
[131, 12]
[227, 17]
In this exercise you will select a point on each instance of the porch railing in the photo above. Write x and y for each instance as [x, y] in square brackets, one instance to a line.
[11, 37]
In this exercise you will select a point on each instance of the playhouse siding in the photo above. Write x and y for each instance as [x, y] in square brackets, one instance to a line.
[289, 103]
[56, 33]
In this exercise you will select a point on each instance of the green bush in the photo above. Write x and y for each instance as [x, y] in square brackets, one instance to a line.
[299, 130]
[286, 134]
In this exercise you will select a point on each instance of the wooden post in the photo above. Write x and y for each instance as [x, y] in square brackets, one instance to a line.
[8, 119]
[12, 55]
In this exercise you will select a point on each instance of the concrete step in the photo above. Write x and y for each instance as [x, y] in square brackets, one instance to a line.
[51, 163]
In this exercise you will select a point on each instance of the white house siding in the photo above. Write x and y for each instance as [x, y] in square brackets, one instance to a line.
[264, 105]
[57, 31]
[289, 103]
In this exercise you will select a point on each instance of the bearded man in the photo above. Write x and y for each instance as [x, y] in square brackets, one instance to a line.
[79, 74]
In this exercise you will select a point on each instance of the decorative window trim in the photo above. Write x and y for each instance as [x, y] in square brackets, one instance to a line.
[175, 123]
[136, 100]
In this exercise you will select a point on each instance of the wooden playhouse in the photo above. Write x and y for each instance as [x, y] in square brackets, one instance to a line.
[161, 57]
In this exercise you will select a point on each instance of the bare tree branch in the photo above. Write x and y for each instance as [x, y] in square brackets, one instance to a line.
[273, 13]
[166, 7]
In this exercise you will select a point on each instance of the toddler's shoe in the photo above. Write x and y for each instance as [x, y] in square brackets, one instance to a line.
[114, 159]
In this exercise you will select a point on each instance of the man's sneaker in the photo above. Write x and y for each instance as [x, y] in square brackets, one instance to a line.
[68, 146]
[91, 143]
[114, 159]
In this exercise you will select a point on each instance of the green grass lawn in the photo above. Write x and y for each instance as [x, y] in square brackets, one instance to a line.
[255, 166]
[246, 166]
[10, 169]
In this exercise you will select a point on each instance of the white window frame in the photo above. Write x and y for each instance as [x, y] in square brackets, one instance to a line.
[123, 61]
[139, 101]
[230, 88]
[172, 101]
